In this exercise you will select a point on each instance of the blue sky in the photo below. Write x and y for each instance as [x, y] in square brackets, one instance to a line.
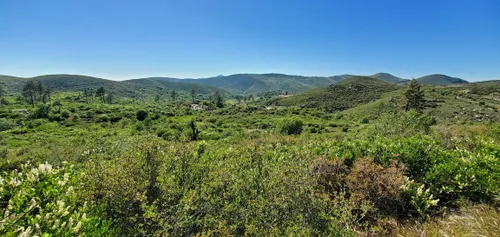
[119, 39]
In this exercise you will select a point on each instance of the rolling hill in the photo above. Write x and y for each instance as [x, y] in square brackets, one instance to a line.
[257, 83]
[388, 78]
[343, 95]
[65, 82]
[174, 84]
[232, 84]
[441, 80]
[133, 88]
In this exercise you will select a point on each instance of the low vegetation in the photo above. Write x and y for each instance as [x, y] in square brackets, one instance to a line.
[363, 157]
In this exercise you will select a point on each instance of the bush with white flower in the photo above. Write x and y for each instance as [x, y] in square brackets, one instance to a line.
[42, 201]
[419, 198]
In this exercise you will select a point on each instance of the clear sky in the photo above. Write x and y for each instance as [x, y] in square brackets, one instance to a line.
[120, 39]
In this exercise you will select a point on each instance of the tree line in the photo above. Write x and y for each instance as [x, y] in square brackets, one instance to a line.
[34, 91]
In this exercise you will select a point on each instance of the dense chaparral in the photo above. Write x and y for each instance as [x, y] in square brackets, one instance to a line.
[392, 163]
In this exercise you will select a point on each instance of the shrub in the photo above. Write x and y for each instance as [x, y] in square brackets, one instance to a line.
[56, 117]
[404, 124]
[65, 114]
[332, 174]
[4, 153]
[290, 126]
[76, 117]
[42, 112]
[418, 199]
[115, 118]
[103, 118]
[44, 201]
[6, 124]
[35, 123]
[375, 183]
[139, 126]
[141, 115]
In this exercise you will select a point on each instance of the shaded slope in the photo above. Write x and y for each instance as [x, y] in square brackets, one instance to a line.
[174, 84]
[258, 83]
[343, 95]
[388, 78]
[439, 79]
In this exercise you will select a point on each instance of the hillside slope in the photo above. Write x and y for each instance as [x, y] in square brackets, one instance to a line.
[343, 95]
[388, 78]
[258, 83]
[439, 79]
[65, 82]
[478, 101]
[175, 84]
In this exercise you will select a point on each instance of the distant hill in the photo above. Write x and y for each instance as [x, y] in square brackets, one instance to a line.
[258, 83]
[439, 79]
[174, 84]
[232, 84]
[343, 95]
[138, 88]
[64, 82]
[388, 78]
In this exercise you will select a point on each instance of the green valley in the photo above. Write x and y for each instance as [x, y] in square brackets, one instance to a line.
[248, 155]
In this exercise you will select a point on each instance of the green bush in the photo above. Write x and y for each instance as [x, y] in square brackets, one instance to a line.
[103, 118]
[44, 201]
[290, 126]
[65, 114]
[76, 117]
[6, 124]
[42, 112]
[115, 118]
[141, 115]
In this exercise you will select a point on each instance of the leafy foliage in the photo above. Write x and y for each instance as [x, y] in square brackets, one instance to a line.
[44, 201]
[290, 126]
[159, 167]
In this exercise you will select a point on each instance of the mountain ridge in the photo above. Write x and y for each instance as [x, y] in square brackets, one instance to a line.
[242, 83]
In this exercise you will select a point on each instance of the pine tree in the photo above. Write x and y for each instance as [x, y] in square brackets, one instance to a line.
[100, 93]
[110, 98]
[218, 100]
[46, 96]
[193, 95]
[39, 89]
[414, 96]
[174, 95]
[2, 91]
[29, 91]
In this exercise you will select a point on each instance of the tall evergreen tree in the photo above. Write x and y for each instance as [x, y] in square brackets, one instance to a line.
[193, 95]
[29, 92]
[414, 96]
[87, 92]
[47, 96]
[100, 93]
[39, 89]
[157, 98]
[174, 95]
[218, 100]
[110, 98]
[2, 91]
